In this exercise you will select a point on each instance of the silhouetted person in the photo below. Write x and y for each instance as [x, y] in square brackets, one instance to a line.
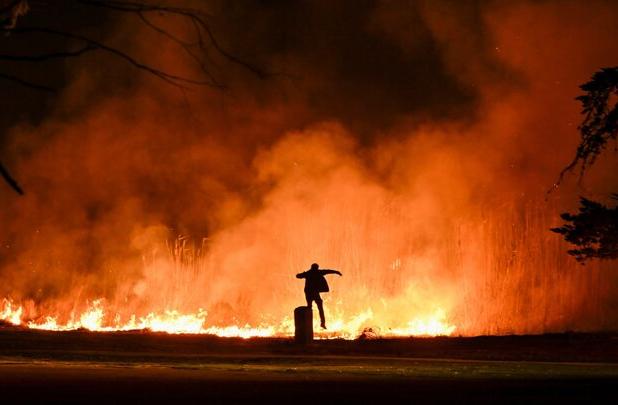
[315, 283]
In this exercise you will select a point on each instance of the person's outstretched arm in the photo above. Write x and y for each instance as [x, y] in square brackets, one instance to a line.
[302, 275]
[329, 271]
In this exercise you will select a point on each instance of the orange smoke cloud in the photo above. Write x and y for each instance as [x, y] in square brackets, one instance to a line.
[433, 221]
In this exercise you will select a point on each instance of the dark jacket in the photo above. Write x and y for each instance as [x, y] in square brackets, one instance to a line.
[315, 281]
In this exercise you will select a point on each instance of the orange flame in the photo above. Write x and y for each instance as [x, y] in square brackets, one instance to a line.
[9, 313]
[174, 322]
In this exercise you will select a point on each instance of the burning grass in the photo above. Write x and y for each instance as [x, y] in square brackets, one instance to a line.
[510, 277]
[97, 319]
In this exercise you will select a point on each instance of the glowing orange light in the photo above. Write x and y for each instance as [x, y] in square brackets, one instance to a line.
[174, 322]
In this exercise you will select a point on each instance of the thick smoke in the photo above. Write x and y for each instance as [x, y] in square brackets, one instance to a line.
[408, 144]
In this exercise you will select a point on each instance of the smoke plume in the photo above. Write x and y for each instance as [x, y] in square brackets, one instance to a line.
[409, 145]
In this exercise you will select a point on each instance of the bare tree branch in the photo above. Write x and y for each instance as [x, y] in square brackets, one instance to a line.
[26, 83]
[48, 56]
[10, 180]
[199, 50]
[140, 9]
[172, 79]
[184, 44]
[196, 16]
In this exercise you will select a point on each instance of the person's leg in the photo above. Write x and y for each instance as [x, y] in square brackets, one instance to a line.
[309, 299]
[318, 301]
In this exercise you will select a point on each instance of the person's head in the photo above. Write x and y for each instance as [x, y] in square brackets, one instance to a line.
[315, 266]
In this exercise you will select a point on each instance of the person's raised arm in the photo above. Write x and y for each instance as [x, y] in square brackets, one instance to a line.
[329, 271]
[301, 275]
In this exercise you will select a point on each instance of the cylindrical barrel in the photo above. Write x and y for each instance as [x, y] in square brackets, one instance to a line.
[303, 325]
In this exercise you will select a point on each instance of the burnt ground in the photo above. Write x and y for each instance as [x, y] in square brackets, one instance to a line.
[145, 367]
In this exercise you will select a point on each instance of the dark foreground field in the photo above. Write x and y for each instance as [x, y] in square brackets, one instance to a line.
[142, 367]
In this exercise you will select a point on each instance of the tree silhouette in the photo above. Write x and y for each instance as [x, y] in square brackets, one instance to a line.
[594, 230]
[200, 49]
[600, 123]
